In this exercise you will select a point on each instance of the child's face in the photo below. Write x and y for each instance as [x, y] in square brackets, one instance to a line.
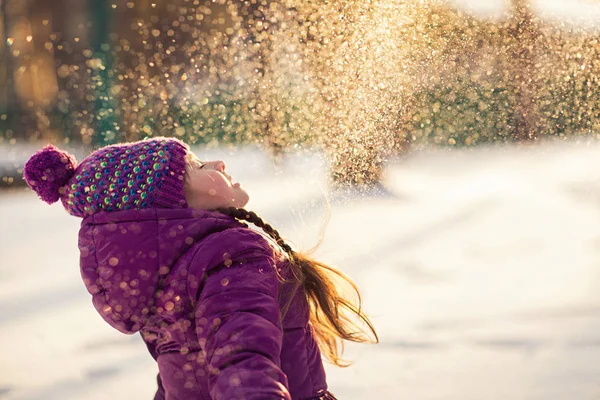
[208, 186]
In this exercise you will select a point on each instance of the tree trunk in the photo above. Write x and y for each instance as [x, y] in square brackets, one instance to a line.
[8, 104]
[100, 15]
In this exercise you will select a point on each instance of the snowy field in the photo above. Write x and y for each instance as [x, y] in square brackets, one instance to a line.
[480, 269]
[572, 14]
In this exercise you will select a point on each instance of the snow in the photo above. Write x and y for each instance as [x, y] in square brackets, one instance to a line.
[573, 14]
[479, 269]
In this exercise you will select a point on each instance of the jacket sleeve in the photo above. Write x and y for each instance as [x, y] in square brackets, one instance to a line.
[237, 322]
[160, 392]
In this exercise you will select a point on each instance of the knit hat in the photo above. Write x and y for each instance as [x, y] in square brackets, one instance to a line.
[131, 176]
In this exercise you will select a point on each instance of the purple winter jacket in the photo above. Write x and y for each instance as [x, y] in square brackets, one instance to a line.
[202, 289]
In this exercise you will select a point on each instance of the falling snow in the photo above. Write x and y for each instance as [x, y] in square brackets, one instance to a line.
[362, 80]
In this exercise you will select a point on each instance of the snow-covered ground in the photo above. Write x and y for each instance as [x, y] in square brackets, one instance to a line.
[481, 270]
[572, 14]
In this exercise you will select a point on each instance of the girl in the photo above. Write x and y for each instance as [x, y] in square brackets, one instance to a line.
[225, 314]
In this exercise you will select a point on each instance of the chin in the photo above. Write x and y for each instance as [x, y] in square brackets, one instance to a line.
[240, 204]
[241, 201]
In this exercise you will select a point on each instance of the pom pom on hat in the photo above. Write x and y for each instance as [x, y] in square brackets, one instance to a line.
[47, 171]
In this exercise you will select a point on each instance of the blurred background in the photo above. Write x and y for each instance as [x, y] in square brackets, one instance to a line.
[454, 145]
[360, 80]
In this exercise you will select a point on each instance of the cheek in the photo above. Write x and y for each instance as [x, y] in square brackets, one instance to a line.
[215, 186]
[191, 184]
[210, 184]
[198, 185]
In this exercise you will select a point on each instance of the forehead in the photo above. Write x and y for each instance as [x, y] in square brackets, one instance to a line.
[191, 157]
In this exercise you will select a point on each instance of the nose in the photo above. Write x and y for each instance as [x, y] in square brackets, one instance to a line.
[220, 165]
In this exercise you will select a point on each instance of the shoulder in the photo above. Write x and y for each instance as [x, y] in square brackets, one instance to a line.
[232, 248]
[235, 242]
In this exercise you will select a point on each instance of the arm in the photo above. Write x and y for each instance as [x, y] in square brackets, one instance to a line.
[237, 323]
[160, 393]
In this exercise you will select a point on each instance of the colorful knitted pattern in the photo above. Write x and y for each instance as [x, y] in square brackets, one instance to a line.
[145, 174]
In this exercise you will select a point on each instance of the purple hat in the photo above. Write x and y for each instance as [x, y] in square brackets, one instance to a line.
[131, 176]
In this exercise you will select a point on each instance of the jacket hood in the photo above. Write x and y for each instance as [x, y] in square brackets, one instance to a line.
[126, 256]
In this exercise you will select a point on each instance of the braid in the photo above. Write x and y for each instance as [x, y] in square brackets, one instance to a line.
[250, 216]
